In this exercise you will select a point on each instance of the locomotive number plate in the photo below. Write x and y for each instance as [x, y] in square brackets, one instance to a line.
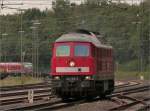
[72, 69]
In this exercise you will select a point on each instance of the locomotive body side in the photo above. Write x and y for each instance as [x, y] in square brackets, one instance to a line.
[81, 66]
[104, 77]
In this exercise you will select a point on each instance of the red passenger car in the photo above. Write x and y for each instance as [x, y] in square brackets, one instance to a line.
[82, 66]
[12, 68]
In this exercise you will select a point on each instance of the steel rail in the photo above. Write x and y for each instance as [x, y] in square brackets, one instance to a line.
[10, 96]
[131, 90]
[55, 106]
[18, 87]
[9, 93]
[41, 97]
[123, 95]
[70, 104]
[20, 94]
[6, 91]
[126, 106]
[62, 105]
[28, 105]
[129, 84]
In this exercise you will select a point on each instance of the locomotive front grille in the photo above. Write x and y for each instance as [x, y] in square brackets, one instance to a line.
[71, 82]
[72, 78]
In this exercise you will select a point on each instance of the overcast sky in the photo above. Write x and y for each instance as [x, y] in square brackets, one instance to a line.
[42, 4]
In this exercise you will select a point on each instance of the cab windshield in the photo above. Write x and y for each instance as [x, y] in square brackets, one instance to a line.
[63, 50]
[81, 50]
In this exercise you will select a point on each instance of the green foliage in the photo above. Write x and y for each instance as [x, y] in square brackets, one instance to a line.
[125, 27]
[148, 68]
[131, 75]
[22, 80]
[132, 65]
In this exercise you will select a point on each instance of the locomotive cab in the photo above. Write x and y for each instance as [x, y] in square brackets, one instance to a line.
[72, 59]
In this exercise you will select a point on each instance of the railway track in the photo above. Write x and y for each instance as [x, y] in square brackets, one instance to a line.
[44, 99]
[10, 95]
[127, 84]
[125, 105]
[27, 86]
[126, 101]
[17, 94]
[53, 105]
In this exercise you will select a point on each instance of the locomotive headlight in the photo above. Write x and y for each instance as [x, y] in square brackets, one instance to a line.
[72, 64]
[87, 77]
[57, 77]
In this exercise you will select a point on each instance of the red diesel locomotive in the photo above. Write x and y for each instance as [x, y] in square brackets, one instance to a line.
[82, 66]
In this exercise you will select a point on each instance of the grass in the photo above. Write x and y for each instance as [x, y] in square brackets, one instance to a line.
[132, 75]
[22, 80]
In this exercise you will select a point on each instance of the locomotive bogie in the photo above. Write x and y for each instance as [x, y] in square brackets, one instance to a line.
[82, 88]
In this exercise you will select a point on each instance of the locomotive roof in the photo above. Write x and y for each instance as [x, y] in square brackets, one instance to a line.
[78, 37]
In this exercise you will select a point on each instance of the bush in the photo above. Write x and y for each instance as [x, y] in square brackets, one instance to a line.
[130, 66]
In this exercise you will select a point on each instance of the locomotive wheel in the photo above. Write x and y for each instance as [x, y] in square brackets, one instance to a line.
[89, 98]
[90, 95]
[103, 96]
[65, 98]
